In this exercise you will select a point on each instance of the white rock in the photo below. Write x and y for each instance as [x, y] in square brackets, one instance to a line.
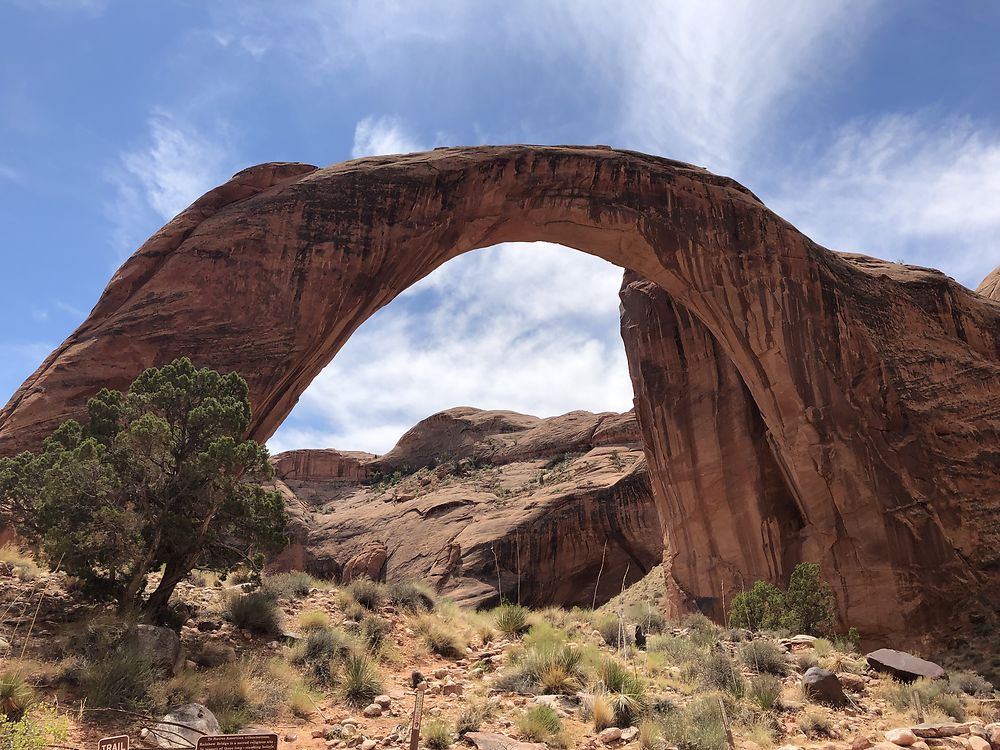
[902, 736]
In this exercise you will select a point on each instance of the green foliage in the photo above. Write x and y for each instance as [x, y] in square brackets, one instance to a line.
[806, 607]
[546, 668]
[368, 593]
[764, 656]
[540, 724]
[761, 608]
[719, 672]
[809, 600]
[121, 679]
[16, 695]
[511, 619]
[441, 637]
[933, 694]
[374, 630]
[412, 595]
[323, 644]
[34, 730]
[256, 611]
[613, 631]
[970, 683]
[765, 691]
[158, 477]
[646, 615]
[625, 690]
[361, 680]
[292, 585]
[436, 734]
[677, 650]
[696, 726]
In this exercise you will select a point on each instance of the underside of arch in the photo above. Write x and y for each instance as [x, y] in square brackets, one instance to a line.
[822, 406]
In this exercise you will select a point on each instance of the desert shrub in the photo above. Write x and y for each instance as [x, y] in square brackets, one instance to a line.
[256, 611]
[814, 723]
[23, 565]
[556, 670]
[35, 729]
[354, 611]
[473, 715]
[440, 637]
[934, 694]
[809, 601]
[718, 671]
[805, 660]
[313, 619]
[251, 690]
[361, 680]
[436, 734]
[696, 726]
[295, 584]
[703, 632]
[540, 724]
[763, 656]
[161, 476]
[761, 608]
[544, 635]
[822, 647]
[322, 645]
[301, 702]
[412, 596]
[765, 691]
[612, 631]
[970, 683]
[374, 630]
[625, 690]
[648, 616]
[677, 650]
[650, 735]
[369, 594]
[511, 619]
[16, 695]
[122, 679]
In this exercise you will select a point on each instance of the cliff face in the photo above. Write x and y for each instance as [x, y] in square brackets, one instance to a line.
[540, 504]
[876, 385]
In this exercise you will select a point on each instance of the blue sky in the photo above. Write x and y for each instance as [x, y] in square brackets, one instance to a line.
[873, 126]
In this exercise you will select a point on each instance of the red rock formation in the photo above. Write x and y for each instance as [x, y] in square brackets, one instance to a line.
[327, 464]
[541, 504]
[878, 384]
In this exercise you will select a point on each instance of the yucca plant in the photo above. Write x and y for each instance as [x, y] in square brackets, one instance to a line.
[16, 695]
[511, 619]
[361, 680]
[625, 691]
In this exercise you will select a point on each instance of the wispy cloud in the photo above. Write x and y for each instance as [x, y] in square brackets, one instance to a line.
[154, 182]
[903, 188]
[375, 136]
[528, 327]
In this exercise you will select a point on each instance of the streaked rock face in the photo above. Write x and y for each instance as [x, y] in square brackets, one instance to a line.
[876, 386]
[544, 511]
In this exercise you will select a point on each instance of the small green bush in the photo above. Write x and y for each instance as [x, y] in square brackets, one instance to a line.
[369, 594]
[545, 669]
[625, 690]
[719, 672]
[765, 691]
[436, 734]
[472, 717]
[256, 611]
[970, 683]
[16, 695]
[412, 596]
[696, 726]
[647, 616]
[374, 630]
[511, 619]
[321, 645]
[764, 657]
[763, 607]
[37, 729]
[361, 680]
[121, 679]
[613, 631]
[439, 636]
[292, 585]
[540, 724]
[678, 650]
[810, 601]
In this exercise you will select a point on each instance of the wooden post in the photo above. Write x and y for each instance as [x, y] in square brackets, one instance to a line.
[725, 723]
[418, 711]
[920, 709]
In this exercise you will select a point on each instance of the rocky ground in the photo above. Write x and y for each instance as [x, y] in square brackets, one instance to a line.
[567, 678]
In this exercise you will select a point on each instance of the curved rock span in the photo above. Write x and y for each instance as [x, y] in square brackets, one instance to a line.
[483, 504]
[871, 390]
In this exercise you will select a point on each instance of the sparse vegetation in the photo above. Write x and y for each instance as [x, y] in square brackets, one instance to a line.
[35, 729]
[764, 656]
[122, 679]
[541, 724]
[436, 734]
[256, 611]
[697, 725]
[16, 695]
[292, 585]
[369, 594]
[511, 619]
[765, 691]
[412, 596]
[361, 680]
[720, 673]
[624, 689]
[473, 715]
[21, 565]
[440, 637]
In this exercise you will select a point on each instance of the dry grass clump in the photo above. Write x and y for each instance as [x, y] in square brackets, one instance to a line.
[256, 611]
[473, 715]
[762, 656]
[602, 713]
[719, 672]
[249, 691]
[970, 683]
[703, 632]
[613, 631]
[313, 619]
[436, 734]
[696, 726]
[412, 596]
[369, 594]
[624, 689]
[814, 723]
[292, 585]
[545, 668]
[677, 650]
[541, 724]
[21, 563]
[650, 735]
[765, 691]
[439, 636]
[934, 694]
[360, 680]
[647, 616]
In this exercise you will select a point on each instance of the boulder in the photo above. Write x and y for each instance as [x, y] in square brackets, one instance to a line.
[903, 666]
[197, 721]
[823, 686]
[902, 736]
[162, 646]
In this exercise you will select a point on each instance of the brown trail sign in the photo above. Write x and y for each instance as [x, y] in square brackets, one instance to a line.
[118, 742]
[418, 714]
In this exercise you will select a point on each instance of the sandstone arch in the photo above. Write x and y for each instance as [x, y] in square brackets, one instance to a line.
[875, 386]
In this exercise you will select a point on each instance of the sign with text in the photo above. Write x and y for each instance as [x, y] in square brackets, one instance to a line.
[238, 742]
[119, 742]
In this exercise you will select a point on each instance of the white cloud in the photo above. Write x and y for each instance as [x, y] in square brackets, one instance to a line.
[903, 188]
[528, 327]
[157, 181]
[375, 136]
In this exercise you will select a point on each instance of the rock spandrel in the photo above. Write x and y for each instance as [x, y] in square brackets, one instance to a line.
[874, 386]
